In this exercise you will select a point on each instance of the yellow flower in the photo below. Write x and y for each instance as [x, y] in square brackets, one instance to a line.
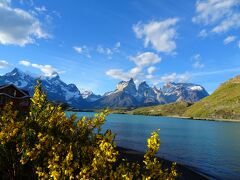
[55, 175]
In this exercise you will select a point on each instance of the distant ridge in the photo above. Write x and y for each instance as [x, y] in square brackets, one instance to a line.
[126, 94]
[224, 103]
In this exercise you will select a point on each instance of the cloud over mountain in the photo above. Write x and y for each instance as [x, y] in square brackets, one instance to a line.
[47, 70]
[142, 62]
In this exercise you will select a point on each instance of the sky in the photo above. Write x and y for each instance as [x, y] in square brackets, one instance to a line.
[95, 44]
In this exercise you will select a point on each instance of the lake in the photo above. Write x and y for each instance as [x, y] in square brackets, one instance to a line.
[209, 147]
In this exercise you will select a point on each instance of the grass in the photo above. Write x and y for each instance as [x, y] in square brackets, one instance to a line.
[172, 109]
[224, 103]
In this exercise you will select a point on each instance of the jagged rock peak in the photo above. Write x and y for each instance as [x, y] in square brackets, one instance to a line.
[15, 72]
[127, 86]
[131, 80]
[143, 84]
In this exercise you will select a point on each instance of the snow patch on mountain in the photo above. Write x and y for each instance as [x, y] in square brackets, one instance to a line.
[89, 96]
[55, 89]
[196, 88]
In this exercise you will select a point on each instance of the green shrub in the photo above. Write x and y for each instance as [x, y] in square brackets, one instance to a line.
[46, 144]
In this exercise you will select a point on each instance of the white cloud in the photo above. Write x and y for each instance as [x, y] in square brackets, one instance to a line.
[174, 77]
[146, 59]
[25, 63]
[3, 64]
[238, 44]
[144, 71]
[102, 50]
[227, 24]
[203, 33]
[219, 15]
[151, 69]
[78, 49]
[82, 50]
[210, 11]
[160, 34]
[108, 51]
[18, 26]
[143, 64]
[197, 61]
[40, 9]
[117, 45]
[120, 74]
[198, 65]
[48, 70]
[196, 57]
[134, 71]
[149, 76]
[229, 39]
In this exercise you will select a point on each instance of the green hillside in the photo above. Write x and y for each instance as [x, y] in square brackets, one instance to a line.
[224, 103]
[172, 109]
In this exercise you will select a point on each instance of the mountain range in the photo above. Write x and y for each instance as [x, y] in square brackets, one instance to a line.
[222, 104]
[127, 94]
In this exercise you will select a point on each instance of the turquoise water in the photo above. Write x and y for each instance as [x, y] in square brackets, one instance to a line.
[210, 147]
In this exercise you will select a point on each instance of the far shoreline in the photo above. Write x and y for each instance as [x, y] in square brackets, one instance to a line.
[180, 117]
[188, 118]
[204, 119]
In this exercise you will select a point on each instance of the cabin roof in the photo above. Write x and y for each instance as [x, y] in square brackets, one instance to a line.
[24, 92]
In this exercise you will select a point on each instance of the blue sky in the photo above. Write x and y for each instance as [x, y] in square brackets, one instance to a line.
[95, 44]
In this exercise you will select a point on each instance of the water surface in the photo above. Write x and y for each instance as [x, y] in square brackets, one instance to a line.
[208, 146]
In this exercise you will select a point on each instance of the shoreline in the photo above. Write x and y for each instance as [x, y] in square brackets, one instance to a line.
[188, 118]
[205, 119]
[180, 117]
[185, 171]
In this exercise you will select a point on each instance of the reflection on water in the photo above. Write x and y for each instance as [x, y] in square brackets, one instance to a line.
[210, 147]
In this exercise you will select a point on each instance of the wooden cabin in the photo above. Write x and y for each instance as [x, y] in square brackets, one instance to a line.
[19, 97]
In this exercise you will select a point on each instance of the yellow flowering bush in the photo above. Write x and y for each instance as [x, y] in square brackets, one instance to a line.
[46, 144]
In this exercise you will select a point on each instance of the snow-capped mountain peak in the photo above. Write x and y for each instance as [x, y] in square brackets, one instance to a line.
[183, 91]
[89, 96]
[55, 88]
[16, 72]
[196, 88]
[86, 93]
